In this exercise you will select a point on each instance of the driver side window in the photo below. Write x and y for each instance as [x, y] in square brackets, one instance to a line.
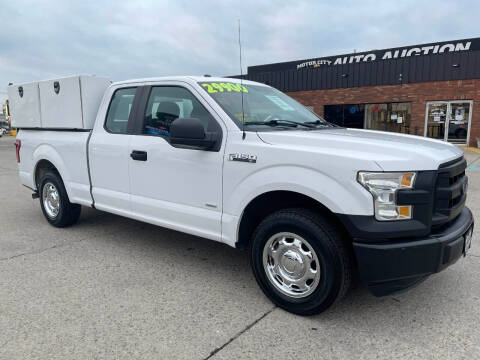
[168, 103]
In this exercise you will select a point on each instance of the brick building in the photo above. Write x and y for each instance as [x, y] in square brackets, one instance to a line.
[427, 90]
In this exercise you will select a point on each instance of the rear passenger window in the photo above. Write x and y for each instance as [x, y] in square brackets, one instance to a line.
[167, 103]
[119, 111]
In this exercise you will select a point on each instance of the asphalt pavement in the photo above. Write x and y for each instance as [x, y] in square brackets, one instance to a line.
[114, 288]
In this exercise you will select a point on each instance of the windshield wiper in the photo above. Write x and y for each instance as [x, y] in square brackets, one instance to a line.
[319, 122]
[280, 123]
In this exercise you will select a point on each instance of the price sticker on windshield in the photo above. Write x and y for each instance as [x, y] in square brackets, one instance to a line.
[215, 87]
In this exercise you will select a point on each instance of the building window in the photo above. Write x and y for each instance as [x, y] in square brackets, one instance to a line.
[346, 115]
[393, 117]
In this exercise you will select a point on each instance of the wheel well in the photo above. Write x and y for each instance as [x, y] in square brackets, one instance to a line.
[270, 202]
[42, 167]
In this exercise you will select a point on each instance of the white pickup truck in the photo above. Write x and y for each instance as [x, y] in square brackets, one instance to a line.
[244, 164]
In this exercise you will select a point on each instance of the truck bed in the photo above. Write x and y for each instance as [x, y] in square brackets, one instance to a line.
[67, 150]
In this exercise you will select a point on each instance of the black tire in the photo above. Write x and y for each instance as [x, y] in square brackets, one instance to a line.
[333, 253]
[68, 213]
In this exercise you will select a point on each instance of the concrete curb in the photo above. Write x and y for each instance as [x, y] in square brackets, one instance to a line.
[470, 148]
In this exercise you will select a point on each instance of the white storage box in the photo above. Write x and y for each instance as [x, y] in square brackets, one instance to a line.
[24, 103]
[65, 103]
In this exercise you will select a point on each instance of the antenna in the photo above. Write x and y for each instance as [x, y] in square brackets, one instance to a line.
[241, 81]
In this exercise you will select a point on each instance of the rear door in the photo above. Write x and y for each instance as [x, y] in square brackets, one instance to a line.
[170, 186]
[109, 153]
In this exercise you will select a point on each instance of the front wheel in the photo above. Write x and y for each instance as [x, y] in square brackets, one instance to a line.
[301, 261]
[56, 206]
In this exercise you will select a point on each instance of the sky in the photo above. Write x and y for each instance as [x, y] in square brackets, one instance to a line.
[145, 38]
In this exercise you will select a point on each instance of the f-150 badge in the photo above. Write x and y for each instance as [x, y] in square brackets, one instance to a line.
[243, 158]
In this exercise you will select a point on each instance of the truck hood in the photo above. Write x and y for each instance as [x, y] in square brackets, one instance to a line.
[390, 151]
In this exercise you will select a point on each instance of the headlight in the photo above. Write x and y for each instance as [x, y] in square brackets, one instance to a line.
[384, 186]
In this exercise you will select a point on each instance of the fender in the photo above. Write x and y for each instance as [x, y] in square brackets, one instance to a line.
[48, 152]
[342, 196]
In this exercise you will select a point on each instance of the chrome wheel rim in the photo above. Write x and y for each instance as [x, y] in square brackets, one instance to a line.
[51, 200]
[291, 264]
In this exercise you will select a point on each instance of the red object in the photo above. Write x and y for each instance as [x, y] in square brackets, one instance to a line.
[18, 145]
[375, 108]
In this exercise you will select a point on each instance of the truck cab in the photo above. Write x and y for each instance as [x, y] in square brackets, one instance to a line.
[241, 163]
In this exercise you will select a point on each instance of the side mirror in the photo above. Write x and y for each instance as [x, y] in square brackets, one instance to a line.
[189, 133]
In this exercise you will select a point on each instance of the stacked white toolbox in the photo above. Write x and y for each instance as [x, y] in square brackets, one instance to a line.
[64, 103]
[24, 103]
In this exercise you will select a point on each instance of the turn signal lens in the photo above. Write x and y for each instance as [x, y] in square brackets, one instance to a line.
[407, 180]
[405, 211]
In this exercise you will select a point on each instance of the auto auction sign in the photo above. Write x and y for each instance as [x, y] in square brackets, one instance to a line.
[374, 55]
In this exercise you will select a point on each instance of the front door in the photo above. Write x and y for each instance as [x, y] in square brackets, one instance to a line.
[449, 120]
[174, 187]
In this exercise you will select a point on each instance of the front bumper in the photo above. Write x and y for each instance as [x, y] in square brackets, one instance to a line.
[393, 266]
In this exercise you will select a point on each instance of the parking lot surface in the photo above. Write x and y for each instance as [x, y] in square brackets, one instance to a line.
[114, 288]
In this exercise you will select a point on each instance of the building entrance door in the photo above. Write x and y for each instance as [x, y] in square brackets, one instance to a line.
[449, 120]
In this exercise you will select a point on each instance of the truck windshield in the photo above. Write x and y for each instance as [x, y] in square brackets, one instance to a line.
[263, 107]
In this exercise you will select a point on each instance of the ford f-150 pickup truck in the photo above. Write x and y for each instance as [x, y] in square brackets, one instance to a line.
[241, 163]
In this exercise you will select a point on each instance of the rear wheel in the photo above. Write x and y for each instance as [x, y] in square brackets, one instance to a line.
[301, 261]
[56, 207]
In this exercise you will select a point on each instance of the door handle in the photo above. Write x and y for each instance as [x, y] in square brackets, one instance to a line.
[139, 155]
